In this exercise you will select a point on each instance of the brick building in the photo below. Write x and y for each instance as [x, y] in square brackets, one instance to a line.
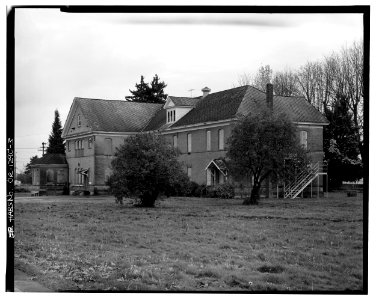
[198, 127]
[50, 173]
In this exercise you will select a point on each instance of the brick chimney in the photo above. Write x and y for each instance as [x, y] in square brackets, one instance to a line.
[269, 96]
[205, 91]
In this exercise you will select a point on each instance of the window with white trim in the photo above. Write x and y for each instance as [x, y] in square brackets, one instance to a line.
[208, 140]
[175, 141]
[304, 139]
[78, 121]
[208, 177]
[108, 146]
[90, 143]
[68, 145]
[189, 142]
[171, 116]
[221, 139]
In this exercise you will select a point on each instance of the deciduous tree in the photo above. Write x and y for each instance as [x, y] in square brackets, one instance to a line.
[25, 177]
[258, 147]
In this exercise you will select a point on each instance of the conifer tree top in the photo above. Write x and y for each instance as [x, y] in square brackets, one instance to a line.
[153, 93]
[55, 141]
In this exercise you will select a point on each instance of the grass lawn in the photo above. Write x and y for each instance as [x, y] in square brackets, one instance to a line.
[191, 244]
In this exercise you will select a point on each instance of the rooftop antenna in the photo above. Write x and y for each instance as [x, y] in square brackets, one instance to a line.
[191, 91]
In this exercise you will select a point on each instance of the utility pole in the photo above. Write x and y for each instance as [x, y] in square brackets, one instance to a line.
[43, 148]
[191, 91]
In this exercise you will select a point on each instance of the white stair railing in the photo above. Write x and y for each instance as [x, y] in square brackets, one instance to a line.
[293, 189]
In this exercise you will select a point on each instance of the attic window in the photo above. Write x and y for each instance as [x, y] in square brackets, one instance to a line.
[171, 116]
[78, 121]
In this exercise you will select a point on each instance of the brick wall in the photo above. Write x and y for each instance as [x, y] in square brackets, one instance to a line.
[314, 141]
[199, 158]
[86, 162]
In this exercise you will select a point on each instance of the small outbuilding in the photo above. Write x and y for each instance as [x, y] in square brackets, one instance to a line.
[50, 174]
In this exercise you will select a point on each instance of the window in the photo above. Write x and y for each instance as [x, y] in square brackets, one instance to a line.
[175, 141]
[189, 142]
[68, 145]
[208, 177]
[208, 140]
[61, 176]
[171, 116]
[221, 138]
[50, 176]
[303, 139]
[78, 121]
[108, 146]
[189, 172]
[90, 143]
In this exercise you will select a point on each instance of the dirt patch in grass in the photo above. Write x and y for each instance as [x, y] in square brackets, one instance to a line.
[191, 244]
[270, 269]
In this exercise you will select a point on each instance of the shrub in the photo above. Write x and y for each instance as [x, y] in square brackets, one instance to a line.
[66, 189]
[144, 168]
[351, 193]
[19, 189]
[192, 189]
[225, 191]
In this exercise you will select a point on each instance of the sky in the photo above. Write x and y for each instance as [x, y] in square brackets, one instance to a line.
[59, 56]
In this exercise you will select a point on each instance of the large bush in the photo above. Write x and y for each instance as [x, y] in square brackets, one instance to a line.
[145, 167]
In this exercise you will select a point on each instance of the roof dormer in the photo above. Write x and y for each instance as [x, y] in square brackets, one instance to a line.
[178, 107]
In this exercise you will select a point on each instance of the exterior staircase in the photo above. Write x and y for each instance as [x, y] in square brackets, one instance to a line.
[293, 189]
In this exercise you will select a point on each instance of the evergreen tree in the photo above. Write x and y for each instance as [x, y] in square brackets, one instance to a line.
[153, 93]
[341, 145]
[55, 141]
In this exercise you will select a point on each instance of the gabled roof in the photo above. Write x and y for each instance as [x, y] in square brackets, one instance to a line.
[157, 122]
[124, 116]
[214, 107]
[51, 159]
[295, 107]
[115, 115]
[220, 164]
[246, 100]
[184, 101]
